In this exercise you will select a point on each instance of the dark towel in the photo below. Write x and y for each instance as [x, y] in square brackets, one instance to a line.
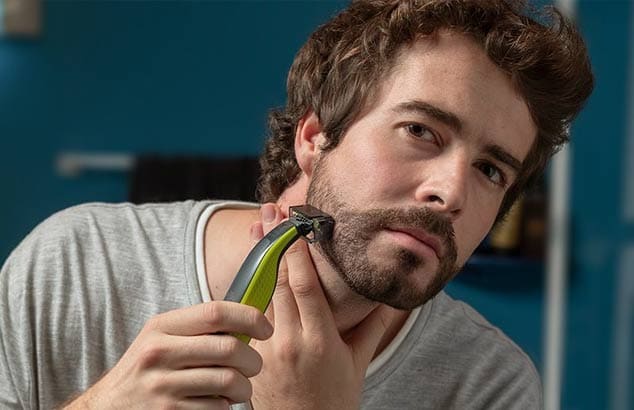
[176, 178]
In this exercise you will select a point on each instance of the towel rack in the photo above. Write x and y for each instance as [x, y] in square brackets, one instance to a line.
[71, 164]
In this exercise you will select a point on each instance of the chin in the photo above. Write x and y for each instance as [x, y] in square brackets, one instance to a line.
[399, 292]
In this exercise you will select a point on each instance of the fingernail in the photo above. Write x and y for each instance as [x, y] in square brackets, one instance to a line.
[268, 213]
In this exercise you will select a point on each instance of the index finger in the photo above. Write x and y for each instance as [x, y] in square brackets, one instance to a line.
[314, 311]
[213, 317]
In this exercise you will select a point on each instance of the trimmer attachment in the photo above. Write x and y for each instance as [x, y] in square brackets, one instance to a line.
[255, 282]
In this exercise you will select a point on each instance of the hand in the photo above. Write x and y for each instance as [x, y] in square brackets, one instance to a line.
[307, 364]
[183, 359]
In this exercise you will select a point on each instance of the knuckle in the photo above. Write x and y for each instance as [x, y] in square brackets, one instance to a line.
[213, 313]
[287, 350]
[302, 287]
[166, 404]
[221, 404]
[294, 249]
[156, 384]
[153, 323]
[228, 346]
[282, 280]
[318, 347]
[240, 388]
[253, 317]
[254, 320]
[151, 355]
[260, 322]
[228, 378]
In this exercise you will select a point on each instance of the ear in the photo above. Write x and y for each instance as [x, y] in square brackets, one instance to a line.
[308, 141]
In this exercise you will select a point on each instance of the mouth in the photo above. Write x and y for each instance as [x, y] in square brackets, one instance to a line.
[423, 237]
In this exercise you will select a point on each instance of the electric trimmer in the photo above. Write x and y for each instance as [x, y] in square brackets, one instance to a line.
[255, 282]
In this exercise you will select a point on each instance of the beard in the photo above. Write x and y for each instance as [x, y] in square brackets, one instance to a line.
[396, 279]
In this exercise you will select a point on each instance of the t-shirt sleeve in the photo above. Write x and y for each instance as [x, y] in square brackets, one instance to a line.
[40, 312]
[502, 376]
[512, 383]
[78, 289]
[17, 294]
[523, 391]
[9, 396]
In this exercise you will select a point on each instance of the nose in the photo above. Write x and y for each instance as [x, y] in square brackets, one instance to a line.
[443, 188]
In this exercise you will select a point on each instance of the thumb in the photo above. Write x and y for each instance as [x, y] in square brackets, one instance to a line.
[364, 339]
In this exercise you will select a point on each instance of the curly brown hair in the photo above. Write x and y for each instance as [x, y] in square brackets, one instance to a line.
[337, 73]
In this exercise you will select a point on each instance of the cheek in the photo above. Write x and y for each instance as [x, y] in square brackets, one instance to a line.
[370, 174]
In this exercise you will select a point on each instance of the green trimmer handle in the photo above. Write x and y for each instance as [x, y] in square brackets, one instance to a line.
[255, 282]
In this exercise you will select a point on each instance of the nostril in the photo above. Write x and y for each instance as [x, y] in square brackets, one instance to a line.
[436, 198]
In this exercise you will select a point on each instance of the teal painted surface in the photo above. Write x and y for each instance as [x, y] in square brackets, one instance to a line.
[597, 206]
[137, 77]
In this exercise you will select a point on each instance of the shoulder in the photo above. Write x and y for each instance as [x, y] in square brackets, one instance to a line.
[62, 240]
[453, 358]
[465, 323]
[97, 269]
[114, 219]
[104, 214]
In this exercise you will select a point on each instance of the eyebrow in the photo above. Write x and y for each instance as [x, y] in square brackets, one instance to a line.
[452, 121]
[421, 107]
[503, 156]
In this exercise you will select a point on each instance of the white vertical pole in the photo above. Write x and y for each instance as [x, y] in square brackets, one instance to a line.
[557, 265]
[1, 17]
[556, 279]
[623, 345]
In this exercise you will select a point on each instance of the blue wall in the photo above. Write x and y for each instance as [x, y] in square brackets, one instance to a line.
[199, 77]
[600, 231]
[137, 77]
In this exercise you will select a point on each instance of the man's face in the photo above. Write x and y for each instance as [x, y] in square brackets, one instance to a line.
[417, 180]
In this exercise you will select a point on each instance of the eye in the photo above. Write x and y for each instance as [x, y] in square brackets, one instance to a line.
[493, 173]
[421, 132]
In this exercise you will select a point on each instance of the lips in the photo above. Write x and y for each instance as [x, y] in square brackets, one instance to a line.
[422, 236]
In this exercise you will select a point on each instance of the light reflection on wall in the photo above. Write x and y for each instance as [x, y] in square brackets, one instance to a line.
[20, 17]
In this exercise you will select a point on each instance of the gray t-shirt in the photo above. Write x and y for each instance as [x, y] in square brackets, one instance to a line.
[79, 288]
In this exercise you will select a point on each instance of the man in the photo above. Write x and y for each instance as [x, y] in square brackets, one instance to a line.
[416, 125]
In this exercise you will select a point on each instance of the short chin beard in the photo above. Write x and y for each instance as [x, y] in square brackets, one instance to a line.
[347, 250]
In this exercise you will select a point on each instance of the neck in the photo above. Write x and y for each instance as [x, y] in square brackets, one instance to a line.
[227, 243]
[227, 234]
[348, 307]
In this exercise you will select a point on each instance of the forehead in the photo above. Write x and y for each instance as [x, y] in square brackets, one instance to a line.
[452, 72]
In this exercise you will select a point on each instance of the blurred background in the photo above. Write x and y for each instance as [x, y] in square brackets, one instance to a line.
[144, 100]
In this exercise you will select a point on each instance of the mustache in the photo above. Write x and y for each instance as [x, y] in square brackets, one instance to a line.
[373, 220]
